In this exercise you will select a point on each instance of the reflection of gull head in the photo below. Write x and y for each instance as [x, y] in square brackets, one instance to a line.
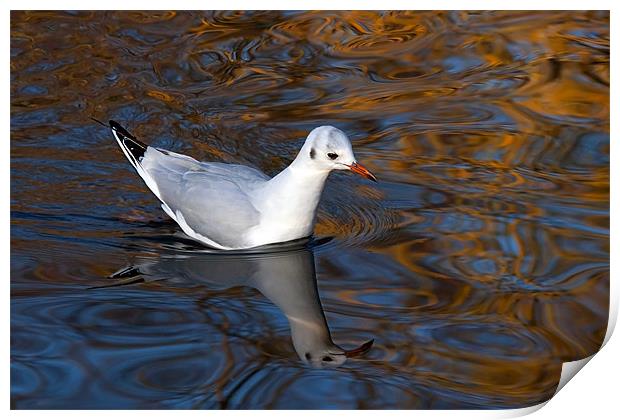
[323, 356]
[287, 278]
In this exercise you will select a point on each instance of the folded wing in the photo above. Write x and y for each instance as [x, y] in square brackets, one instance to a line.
[209, 201]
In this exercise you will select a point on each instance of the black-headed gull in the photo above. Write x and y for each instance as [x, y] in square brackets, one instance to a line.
[228, 206]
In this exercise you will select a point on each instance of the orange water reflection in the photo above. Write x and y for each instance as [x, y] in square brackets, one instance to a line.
[479, 263]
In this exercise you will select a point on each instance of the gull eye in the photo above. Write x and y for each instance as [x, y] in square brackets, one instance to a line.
[332, 156]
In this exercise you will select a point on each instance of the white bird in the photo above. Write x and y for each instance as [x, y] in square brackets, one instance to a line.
[228, 206]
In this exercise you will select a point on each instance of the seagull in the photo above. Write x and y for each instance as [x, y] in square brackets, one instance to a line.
[234, 207]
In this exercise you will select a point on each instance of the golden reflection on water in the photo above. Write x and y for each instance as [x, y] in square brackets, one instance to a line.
[478, 264]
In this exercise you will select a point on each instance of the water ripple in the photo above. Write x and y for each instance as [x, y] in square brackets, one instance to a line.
[478, 263]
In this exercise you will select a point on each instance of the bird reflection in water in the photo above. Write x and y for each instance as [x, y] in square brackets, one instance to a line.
[285, 275]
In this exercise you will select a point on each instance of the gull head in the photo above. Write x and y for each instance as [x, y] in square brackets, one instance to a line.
[328, 148]
[330, 355]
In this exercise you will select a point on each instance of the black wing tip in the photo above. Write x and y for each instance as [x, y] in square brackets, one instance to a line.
[128, 142]
[120, 130]
[130, 271]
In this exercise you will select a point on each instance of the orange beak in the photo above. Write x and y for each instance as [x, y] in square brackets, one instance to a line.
[360, 170]
[363, 349]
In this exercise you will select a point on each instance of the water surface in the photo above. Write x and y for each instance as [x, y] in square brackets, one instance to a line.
[478, 263]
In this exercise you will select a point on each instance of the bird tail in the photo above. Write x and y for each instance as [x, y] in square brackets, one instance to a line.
[133, 149]
[124, 277]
